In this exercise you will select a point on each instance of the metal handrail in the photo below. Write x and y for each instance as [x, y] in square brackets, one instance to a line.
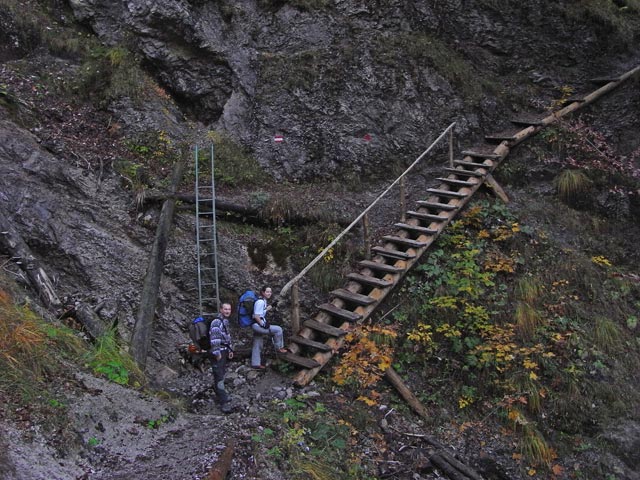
[304, 271]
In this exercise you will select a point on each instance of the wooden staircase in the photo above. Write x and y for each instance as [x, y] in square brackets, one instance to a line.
[321, 337]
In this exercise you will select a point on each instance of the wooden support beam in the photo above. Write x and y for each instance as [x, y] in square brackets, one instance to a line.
[497, 189]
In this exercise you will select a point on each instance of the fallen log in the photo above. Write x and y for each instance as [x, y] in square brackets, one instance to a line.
[12, 243]
[223, 464]
[93, 324]
[257, 214]
[143, 327]
[412, 400]
[448, 469]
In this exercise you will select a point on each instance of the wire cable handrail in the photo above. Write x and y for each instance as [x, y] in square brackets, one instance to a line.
[311, 264]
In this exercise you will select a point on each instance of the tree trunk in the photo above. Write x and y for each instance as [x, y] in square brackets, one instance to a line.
[16, 247]
[143, 328]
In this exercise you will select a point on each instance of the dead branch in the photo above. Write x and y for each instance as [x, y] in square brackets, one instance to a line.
[11, 241]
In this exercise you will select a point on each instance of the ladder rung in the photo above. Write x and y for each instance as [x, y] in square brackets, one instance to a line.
[338, 312]
[464, 163]
[368, 280]
[324, 328]
[416, 228]
[380, 267]
[446, 193]
[310, 343]
[460, 183]
[298, 360]
[427, 216]
[464, 173]
[404, 241]
[357, 298]
[390, 253]
[471, 153]
[436, 205]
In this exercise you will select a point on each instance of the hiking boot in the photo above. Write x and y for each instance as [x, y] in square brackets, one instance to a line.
[226, 407]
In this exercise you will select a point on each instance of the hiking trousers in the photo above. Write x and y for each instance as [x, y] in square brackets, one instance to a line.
[219, 368]
[274, 331]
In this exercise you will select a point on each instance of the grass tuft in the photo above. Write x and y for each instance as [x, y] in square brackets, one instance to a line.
[528, 319]
[571, 184]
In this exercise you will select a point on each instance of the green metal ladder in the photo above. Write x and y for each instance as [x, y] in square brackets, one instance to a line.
[206, 234]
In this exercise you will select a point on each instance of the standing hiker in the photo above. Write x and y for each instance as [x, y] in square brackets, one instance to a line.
[262, 328]
[221, 351]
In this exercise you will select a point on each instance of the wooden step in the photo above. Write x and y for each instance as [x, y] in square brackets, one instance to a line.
[528, 120]
[301, 361]
[357, 298]
[603, 80]
[404, 241]
[369, 280]
[416, 228]
[436, 205]
[500, 137]
[391, 253]
[323, 347]
[466, 173]
[341, 313]
[426, 216]
[462, 163]
[324, 328]
[380, 267]
[446, 193]
[471, 153]
[458, 183]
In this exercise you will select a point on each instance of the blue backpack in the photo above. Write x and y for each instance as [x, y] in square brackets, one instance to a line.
[245, 308]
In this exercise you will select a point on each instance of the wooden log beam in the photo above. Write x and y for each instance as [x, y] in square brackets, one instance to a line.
[223, 464]
[497, 189]
[143, 327]
[13, 244]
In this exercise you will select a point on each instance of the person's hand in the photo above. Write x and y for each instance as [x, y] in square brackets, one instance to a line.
[219, 356]
[269, 307]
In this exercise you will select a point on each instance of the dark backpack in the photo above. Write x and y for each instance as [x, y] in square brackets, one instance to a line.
[245, 308]
[199, 333]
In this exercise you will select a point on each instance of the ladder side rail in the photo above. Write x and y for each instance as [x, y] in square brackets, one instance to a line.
[215, 232]
[197, 193]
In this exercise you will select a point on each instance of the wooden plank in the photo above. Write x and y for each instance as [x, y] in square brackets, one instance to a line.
[338, 312]
[465, 173]
[426, 216]
[436, 205]
[500, 137]
[298, 360]
[528, 120]
[380, 267]
[323, 347]
[404, 241]
[604, 80]
[357, 298]
[446, 193]
[458, 183]
[416, 228]
[462, 163]
[324, 328]
[368, 280]
[390, 253]
[471, 153]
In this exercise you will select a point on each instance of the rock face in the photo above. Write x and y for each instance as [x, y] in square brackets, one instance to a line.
[351, 87]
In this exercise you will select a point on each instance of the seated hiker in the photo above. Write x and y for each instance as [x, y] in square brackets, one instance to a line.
[221, 351]
[262, 328]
